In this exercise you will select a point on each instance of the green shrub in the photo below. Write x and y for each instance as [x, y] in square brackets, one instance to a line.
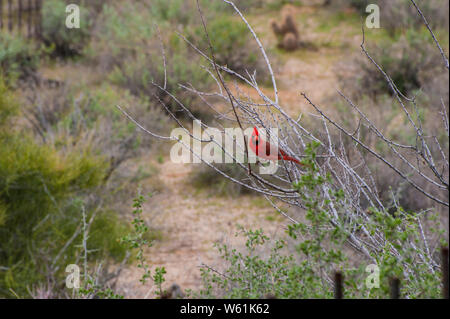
[411, 62]
[36, 182]
[8, 105]
[120, 32]
[42, 194]
[65, 41]
[398, 15]
[265, 269]
[174, 11]
[18, 57]
[233, 45]
[106, 230]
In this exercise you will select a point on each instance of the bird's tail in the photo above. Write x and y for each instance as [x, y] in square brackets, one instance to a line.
[288, 158]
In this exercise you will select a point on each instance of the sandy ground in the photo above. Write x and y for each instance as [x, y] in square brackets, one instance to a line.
[191, 223]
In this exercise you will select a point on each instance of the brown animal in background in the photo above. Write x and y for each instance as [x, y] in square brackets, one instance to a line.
[289, 24]
[290, 42]
[275, 28]
[286, 31]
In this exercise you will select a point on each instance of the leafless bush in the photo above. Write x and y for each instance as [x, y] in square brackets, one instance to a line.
[44, 112]
[421, 163]
[43, 292]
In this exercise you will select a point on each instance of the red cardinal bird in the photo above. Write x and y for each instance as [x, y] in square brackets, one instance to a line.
[265, 150]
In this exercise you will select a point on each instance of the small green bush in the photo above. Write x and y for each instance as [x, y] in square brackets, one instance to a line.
[120, 32]
[411, 62]
[398, 15]
[42, 193]
[106, 230]
[401, 14]
[233, 45]
[36, 185]
[18, 57]
[174, 11]
[64, 41]
[8, 105]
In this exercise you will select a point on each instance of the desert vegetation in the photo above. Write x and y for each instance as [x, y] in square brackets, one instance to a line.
[86, 176]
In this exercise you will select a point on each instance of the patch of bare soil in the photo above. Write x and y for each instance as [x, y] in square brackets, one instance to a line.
[190, 224]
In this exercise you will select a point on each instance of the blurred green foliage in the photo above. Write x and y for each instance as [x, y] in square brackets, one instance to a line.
[18, 57]
[410, 60]
[232, 43]
[42, 192]
[130, 50]
[8, 105]
[64, 41]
